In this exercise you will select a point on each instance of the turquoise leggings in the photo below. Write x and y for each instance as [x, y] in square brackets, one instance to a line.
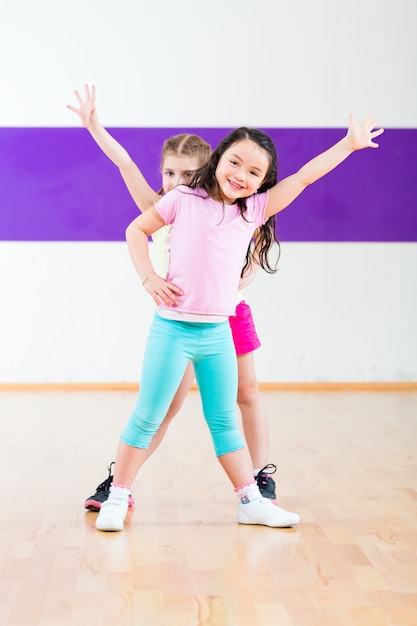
[170, 346]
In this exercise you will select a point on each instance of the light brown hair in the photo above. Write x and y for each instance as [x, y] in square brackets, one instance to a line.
[186, 145]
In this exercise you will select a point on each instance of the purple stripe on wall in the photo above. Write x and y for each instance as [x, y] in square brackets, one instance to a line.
[56, 185]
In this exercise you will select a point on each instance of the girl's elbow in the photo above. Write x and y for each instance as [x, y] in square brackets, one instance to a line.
[135, 233]
[129, 231]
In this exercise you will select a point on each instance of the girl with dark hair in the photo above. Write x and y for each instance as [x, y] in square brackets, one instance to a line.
[213, 221]
[181, 156]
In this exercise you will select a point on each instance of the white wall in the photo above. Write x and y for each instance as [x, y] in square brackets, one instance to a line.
[335, 312]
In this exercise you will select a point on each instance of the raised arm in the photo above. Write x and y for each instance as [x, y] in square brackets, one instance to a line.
[357, 137]
[141, 192]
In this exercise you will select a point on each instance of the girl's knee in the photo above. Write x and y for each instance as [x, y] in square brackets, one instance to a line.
[248, 392]
[138, 431]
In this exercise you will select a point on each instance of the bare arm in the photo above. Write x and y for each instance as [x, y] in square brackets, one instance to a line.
[137, 234]
[357, 137]
[141, 192]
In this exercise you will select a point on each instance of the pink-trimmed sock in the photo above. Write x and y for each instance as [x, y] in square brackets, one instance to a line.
[248, 492]
[130, 501]
[119, 492]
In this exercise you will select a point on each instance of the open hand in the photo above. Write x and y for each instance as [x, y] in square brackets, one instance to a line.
[86, 108]
[362, 135]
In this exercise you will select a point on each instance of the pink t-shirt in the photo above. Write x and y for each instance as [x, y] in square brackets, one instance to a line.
[209, 241]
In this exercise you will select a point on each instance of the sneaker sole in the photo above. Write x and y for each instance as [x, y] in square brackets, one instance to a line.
[92, 505]
[274, 517]
[281, 525]
[109, 530]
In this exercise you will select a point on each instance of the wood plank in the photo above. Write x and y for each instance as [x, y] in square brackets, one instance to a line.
[346, 463]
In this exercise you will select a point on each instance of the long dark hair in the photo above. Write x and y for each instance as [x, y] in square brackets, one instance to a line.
[265, 237]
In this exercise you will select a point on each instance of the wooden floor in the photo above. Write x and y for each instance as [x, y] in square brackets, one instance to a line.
[347, 464]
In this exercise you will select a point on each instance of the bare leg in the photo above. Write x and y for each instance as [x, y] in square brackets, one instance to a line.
[237, 466]
[254, 419]
[251, 508]
[130, 459]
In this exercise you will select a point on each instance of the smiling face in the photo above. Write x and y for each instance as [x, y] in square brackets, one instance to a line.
[241, 170]
[178, 170]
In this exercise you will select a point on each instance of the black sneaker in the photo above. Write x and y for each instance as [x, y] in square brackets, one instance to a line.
[265, 483]
[93, 503]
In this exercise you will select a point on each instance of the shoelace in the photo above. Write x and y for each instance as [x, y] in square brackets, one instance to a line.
[105, 485]
[263, 475]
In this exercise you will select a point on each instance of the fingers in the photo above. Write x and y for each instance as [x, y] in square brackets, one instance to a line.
[363, 134]
[90, 95]
[86, 107]
[368, 121]
[79, 99]
[175, 289]
[166, 297]
[371, 123]
[374, 134]
[378, 132]
[159, 298]
[163, 292]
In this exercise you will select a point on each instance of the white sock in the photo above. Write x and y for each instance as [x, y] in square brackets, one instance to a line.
[119, 494]
[247, 493]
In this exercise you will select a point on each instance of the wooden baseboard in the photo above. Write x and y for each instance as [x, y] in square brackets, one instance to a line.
[269, 386]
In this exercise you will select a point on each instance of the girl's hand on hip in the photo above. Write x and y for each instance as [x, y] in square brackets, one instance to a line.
[162, 291]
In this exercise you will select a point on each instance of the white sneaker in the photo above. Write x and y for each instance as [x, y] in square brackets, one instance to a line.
[261, 511]
[112, 515]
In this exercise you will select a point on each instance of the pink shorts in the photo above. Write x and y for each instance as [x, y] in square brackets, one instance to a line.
[243, 329]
